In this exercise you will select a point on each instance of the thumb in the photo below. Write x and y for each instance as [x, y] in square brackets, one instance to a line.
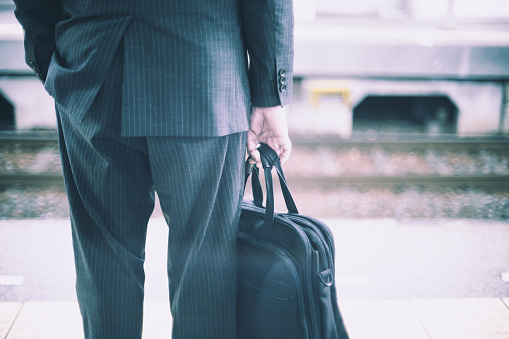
[252, 143]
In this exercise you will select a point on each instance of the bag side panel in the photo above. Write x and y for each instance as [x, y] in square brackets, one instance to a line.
[268, 304]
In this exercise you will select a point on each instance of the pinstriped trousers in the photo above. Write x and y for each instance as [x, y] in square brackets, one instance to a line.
[110, 182]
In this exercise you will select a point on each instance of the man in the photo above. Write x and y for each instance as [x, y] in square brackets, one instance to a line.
[151, 96]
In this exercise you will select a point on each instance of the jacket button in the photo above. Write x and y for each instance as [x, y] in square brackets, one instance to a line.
[282, 88]
[282, 80]
[282, 72]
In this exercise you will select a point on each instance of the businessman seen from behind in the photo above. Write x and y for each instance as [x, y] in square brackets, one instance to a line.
[160, 96]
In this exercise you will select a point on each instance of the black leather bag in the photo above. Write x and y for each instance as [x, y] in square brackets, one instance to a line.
[286, 283]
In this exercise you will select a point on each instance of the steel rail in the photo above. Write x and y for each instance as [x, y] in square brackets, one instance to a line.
[390, 141]
[29, 137]
[501, 181]
[496, 142]
[31, 178]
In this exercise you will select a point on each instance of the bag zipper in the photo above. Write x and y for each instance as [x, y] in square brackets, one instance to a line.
[328, 253]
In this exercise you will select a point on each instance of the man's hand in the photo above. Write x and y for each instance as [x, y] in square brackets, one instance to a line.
[268, 125]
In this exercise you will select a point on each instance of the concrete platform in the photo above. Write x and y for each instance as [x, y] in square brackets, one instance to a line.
[396, 279]
[365, 319]
[62, 320]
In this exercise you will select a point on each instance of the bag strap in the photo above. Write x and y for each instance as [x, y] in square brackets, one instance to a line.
[252, 170]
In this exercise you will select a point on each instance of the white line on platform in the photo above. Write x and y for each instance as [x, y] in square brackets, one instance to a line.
[11, 280]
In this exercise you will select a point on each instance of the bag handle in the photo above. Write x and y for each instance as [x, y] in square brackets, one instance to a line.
[270, 160]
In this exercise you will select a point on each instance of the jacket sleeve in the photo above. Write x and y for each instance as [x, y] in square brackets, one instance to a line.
[38, 19]
[268, 34]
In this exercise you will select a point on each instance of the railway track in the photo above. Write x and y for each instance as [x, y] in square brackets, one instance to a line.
[36, 138]
[399, 142]
[399, 176]
[395, 140]
[31, 178]
[496, 181]
[404, 141]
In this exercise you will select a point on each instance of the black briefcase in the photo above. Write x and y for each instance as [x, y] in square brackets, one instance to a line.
[286, 283]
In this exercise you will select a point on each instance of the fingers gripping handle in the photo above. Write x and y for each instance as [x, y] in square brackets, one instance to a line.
[270, 160]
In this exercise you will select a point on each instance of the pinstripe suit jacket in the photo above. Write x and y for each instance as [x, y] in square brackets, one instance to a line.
[186, 69]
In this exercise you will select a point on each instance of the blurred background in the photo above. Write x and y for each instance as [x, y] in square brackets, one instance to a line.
[400, 111]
